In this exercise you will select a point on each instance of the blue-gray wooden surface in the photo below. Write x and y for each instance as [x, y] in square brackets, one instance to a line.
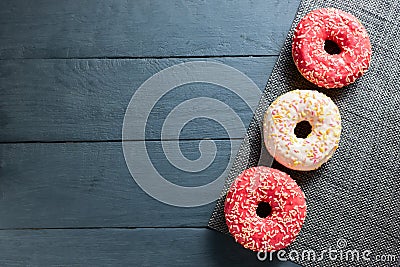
[67, 72]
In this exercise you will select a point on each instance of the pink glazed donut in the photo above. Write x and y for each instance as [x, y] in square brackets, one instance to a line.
[277, 226]
[331, 48]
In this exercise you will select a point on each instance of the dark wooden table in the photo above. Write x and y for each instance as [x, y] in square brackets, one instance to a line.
[68, 71]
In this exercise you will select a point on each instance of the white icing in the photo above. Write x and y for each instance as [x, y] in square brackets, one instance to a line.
[282, 117]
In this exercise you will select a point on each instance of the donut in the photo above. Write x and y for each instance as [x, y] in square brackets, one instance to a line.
[324, 29]
[306, 152]
[284, 205]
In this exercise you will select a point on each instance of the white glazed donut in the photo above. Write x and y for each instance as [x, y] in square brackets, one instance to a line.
[281, 119]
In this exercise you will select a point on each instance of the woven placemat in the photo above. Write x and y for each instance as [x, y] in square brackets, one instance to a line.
[354, 199]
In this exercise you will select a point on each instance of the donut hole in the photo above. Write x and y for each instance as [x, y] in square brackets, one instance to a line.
[302, 129]
[331, 47]
[264, 209]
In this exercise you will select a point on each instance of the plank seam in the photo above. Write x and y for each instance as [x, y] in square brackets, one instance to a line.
[117, 141]
[103, 228]
[143, 57]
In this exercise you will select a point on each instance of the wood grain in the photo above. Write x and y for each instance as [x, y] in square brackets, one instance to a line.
[65, 29]
[125, 247]
[47, 185]
[55, 89]
[85, 100]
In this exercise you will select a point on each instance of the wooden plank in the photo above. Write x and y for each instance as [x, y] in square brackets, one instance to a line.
[47, 185]
[63, 29]
[75, 100]
[125, 247]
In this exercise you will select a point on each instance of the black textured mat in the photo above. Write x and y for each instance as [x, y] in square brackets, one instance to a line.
[353, 199]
